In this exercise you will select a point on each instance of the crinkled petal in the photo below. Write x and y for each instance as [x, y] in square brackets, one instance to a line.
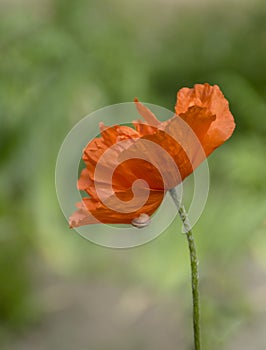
[91, 211]
[143, 128]
[211, 98]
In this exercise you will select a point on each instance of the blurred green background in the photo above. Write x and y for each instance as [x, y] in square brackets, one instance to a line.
[59, 61]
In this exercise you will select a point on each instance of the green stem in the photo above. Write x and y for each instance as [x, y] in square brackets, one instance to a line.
[194, 267]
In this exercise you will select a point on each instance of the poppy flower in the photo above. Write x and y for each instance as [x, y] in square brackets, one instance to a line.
[128, 170]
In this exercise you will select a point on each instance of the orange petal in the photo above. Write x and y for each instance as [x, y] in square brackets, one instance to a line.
[151, 161]
[111, 134]
[172, 175]
[91, 211]
[146, 113]
[84, 180]
[190, 136]
[98, 146]
[211, 98]
[143, 128]
[81, 217]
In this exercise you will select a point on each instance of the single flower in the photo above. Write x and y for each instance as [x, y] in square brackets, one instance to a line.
[128, 171]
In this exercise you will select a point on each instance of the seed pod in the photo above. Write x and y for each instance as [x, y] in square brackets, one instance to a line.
[142, 221]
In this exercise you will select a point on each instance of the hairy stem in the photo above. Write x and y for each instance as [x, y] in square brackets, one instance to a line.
[194, 267]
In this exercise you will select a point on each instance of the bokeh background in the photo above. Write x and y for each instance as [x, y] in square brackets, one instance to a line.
[59, 61]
